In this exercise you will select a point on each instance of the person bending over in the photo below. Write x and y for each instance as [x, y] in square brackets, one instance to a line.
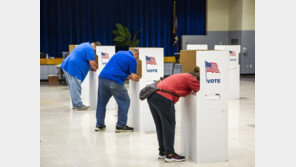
[76, 66]
[162, 108]
[121, 66]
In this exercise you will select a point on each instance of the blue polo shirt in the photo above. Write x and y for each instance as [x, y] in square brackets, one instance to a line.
[119, 67]
[77, 62]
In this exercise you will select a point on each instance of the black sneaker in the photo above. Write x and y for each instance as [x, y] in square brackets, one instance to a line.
[174, 158]
[100, 128]
[124, 129]
[161, 155]
[83, 107]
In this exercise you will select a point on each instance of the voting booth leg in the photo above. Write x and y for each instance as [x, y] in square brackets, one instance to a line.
[133, 113]
[85, 91]
[204, 132]
[139, 116]
[188, 129]
[234, 83]
[93, 89]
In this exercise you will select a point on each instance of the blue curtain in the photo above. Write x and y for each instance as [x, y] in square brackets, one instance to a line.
[64, 22]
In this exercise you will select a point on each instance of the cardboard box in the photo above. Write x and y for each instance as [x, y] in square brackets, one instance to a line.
[53, 79]
[71, 47]
[96, 59]
[139, 68]
[188, 60]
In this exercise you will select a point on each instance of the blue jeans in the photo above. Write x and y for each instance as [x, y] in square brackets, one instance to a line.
[75, 89]
[106, 89]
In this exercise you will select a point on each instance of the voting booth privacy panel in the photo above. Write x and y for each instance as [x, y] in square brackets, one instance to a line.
[90, 84]
[152, 69]
[197, 47]
[188, 60]
[204, 118]
[234, 69]
[188, 57]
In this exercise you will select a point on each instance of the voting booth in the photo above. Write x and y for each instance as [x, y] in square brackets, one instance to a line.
[234, 69]
[204, 118]
[197, 47]
[139, 116]
[89, 86]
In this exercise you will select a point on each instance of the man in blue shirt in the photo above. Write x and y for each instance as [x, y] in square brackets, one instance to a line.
[121, 66]
[76, 67]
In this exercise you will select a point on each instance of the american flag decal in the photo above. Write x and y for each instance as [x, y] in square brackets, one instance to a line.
[150, 60]
[105, 55]
[232, 53]
[212, 67]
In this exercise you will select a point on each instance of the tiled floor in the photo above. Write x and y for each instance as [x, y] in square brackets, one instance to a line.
[68, 138]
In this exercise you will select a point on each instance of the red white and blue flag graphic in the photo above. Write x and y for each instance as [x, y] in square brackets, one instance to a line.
[105, 55]
[150, 60]
[212, 67]
[232, 53]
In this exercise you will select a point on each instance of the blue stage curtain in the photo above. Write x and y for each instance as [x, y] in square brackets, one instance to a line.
[64, 22]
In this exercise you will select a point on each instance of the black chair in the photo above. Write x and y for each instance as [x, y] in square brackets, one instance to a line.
[61, 72]
[177, 57]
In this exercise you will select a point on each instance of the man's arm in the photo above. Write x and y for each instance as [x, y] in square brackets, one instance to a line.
[134, 77]
[93, 65]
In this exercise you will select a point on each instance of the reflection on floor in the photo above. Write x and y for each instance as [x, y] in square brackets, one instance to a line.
[68, 137]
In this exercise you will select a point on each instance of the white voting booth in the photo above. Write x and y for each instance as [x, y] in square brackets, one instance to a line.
[139, 116]
[197, 47]
[234, 69]
[89, 86]
[204, 118]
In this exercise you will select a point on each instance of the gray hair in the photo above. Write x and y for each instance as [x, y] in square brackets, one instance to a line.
[135, 50]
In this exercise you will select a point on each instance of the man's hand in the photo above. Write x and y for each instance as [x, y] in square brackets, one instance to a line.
[93, 65]
[134, 77]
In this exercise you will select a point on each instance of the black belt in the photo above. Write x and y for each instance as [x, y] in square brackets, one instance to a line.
[169, 92]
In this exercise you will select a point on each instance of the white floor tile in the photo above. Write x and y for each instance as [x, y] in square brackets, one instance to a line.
[68, 137]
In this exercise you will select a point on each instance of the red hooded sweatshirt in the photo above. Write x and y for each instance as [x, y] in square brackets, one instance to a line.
[179, 84]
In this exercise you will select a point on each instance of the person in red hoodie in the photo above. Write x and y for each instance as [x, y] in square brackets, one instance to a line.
[162, 107]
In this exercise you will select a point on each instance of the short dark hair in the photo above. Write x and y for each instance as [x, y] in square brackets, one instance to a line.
[97, 43]
[195, 73]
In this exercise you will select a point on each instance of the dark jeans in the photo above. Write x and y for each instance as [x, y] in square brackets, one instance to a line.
[163, 112]
[106, 89]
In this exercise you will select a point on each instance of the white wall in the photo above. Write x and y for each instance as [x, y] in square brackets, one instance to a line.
[217, 15]
[230, 15]
[248, 18]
